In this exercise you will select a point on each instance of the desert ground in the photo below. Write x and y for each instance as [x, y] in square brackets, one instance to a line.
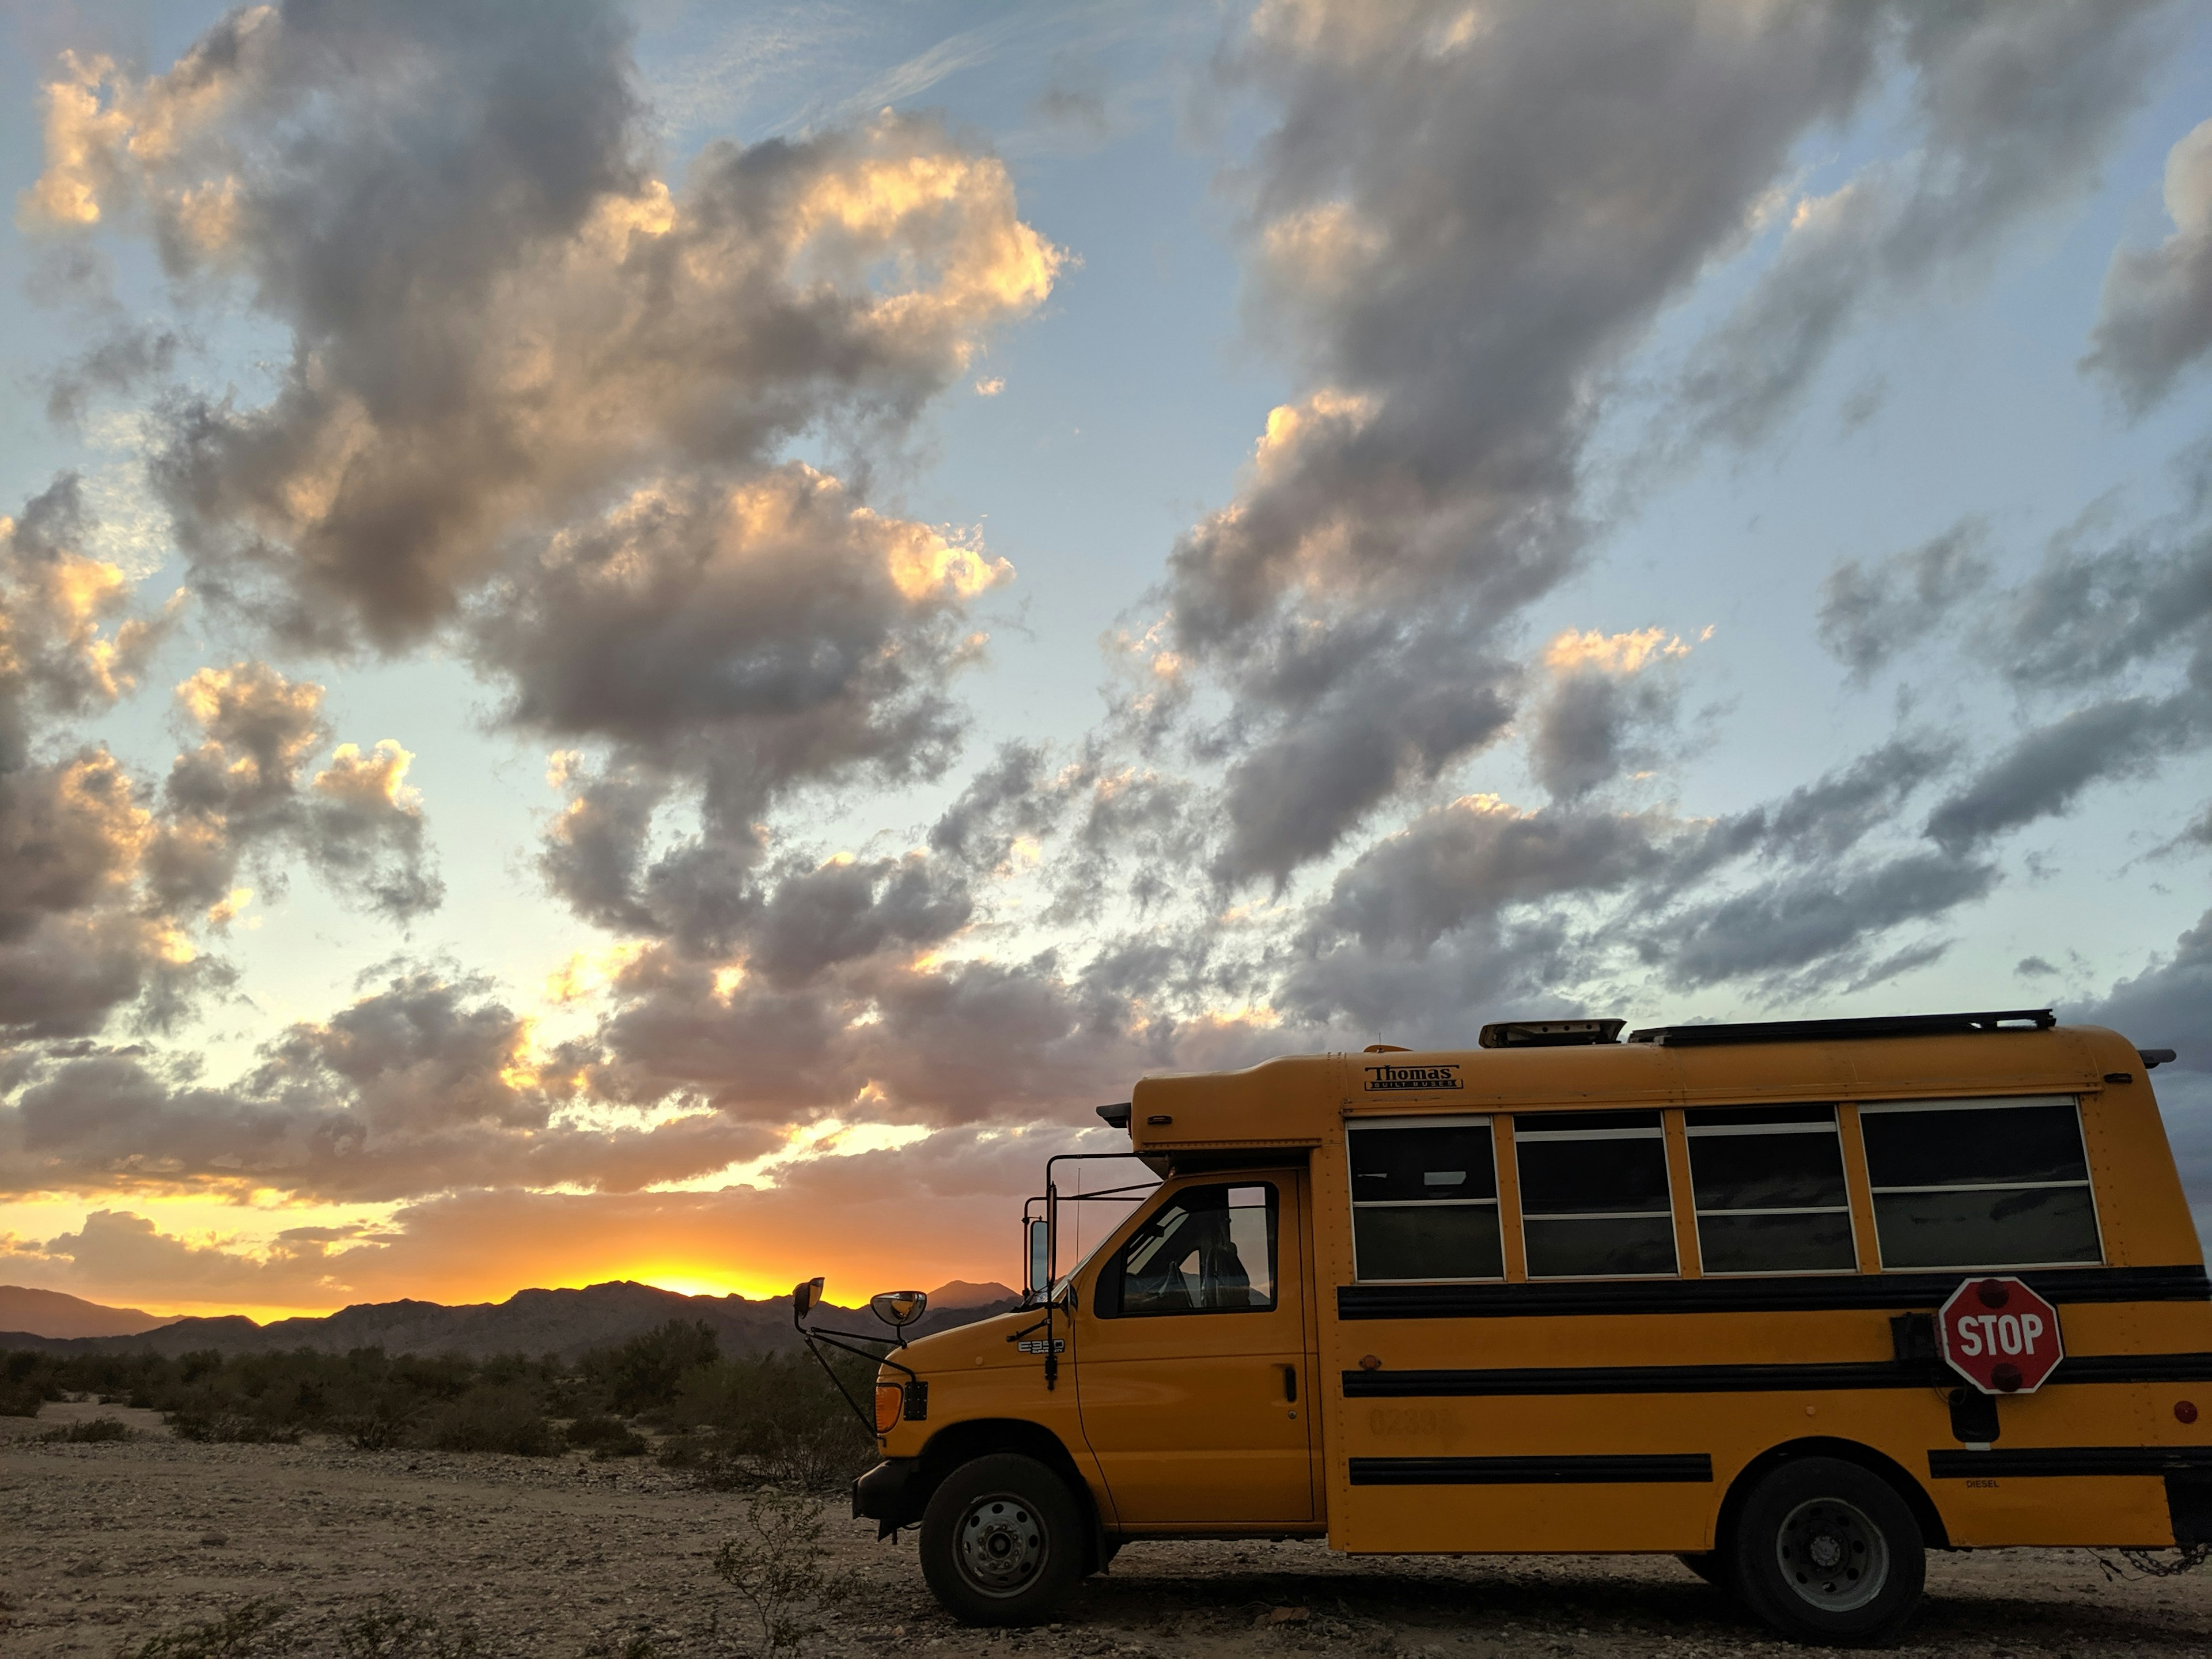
[106, 1546]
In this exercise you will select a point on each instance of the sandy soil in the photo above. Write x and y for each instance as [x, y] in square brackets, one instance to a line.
[106, 1545]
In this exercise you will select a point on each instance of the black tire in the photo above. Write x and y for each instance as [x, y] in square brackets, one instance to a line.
[1827, 1552]
[1001, 1541]
[1712, 1567]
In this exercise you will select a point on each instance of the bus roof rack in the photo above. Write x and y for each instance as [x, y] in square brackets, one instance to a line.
[1834, 1031]
[1549, 1033]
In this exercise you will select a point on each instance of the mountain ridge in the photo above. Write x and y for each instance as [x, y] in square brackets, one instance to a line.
[564, 1322]
[57, 1314]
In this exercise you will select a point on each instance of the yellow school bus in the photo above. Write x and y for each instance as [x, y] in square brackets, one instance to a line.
[1676, 1293]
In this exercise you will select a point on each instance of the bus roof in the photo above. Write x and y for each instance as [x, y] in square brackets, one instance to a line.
[1298, 1100]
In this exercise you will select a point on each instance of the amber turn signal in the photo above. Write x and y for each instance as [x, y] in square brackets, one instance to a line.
[891, 1400]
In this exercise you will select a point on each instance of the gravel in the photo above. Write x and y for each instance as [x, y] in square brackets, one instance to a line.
[107, 1544]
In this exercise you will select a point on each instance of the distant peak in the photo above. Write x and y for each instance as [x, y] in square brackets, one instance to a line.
[961, 1293]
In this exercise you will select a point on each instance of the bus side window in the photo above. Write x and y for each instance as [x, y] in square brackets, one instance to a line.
[1594, 1197]
[1207, 1249]
[1424, 1199]
[1980, 1183]
[1769, 1182]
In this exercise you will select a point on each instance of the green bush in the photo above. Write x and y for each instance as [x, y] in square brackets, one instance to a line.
[604, 1437]
[644, 1374]
[492, 1416]
[773, 1420]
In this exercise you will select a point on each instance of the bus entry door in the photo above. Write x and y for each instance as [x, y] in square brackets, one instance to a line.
[1191, 1364]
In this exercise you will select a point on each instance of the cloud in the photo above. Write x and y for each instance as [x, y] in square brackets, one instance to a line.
[2016, 106]
[1869, 614]
[427, 1086]
[498, 315]
[2046, 770]
[1605, 689]
[749, 636]
[1458, 255]
[2154, 319]
[245, 792]
[1813, 919]
[2164, 1005]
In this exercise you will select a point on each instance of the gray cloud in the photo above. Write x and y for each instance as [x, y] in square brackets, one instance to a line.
[2045, 771]
[1826, 819]
[2017, 107]
[2154, 319]
[1444, 241]
[247, 790]
[2167, 1006]
[538, 398]
[1814, 918]
[1869, 614]
[425, 1085]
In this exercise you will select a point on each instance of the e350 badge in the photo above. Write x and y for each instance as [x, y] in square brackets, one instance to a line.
[1383, 1079]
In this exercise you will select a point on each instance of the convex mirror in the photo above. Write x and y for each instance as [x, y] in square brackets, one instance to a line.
[806, 1297]
[900, 1307]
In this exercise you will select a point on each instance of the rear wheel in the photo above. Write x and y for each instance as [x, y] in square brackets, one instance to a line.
[1827, 1551]
[1001, 1541]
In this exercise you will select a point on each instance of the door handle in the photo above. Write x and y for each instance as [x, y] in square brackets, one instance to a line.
[1290, 1383]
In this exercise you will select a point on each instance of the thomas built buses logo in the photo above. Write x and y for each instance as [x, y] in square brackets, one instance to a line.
[1384, 1078]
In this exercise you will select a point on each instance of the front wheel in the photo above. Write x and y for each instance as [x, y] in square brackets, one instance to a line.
[1001, 1541]
[1827, 1552]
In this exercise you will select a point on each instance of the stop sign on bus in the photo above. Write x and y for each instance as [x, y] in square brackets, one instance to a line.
[2000, 1335]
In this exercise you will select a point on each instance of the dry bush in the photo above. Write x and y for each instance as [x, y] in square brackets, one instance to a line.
[391, 1631]
[246, 1632]
[99, 1428]
[777, 1564]
[604, 1437]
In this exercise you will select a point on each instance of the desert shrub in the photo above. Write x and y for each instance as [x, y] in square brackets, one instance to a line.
[230, 1429]
[604, 1437]
[643, 1374]
[96, 1429]
[777, 1563]
[245, 1631]
[773, 1419]
[391, 1631]
[27, 1381]
[493, 1417]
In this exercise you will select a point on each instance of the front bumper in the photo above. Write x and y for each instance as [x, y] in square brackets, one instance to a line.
[891, 1494]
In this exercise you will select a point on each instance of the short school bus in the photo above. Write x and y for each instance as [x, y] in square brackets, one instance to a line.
[1564, 1293]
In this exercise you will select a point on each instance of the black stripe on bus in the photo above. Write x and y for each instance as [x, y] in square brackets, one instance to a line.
[2025, 1461]
[1762, 1295]
[1605, 1468]
[1748, 1379]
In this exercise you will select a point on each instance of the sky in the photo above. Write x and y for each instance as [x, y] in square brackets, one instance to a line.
[659, 642]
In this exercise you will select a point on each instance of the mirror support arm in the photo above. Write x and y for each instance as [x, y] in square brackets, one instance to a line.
[848, 1342]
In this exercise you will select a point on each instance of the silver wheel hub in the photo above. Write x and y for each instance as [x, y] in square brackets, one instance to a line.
[1002, 1544]
[1832, 1555]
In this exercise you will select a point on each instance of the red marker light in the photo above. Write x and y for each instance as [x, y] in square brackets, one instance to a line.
[2185, 1410]
[1994, 1293]
[2006, 1375]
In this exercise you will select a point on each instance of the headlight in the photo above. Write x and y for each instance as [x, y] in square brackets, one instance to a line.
[890, 1401]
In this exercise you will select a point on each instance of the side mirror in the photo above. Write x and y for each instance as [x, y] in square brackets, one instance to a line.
[1038, 1272]
[806, 1297]
[900, 1307]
